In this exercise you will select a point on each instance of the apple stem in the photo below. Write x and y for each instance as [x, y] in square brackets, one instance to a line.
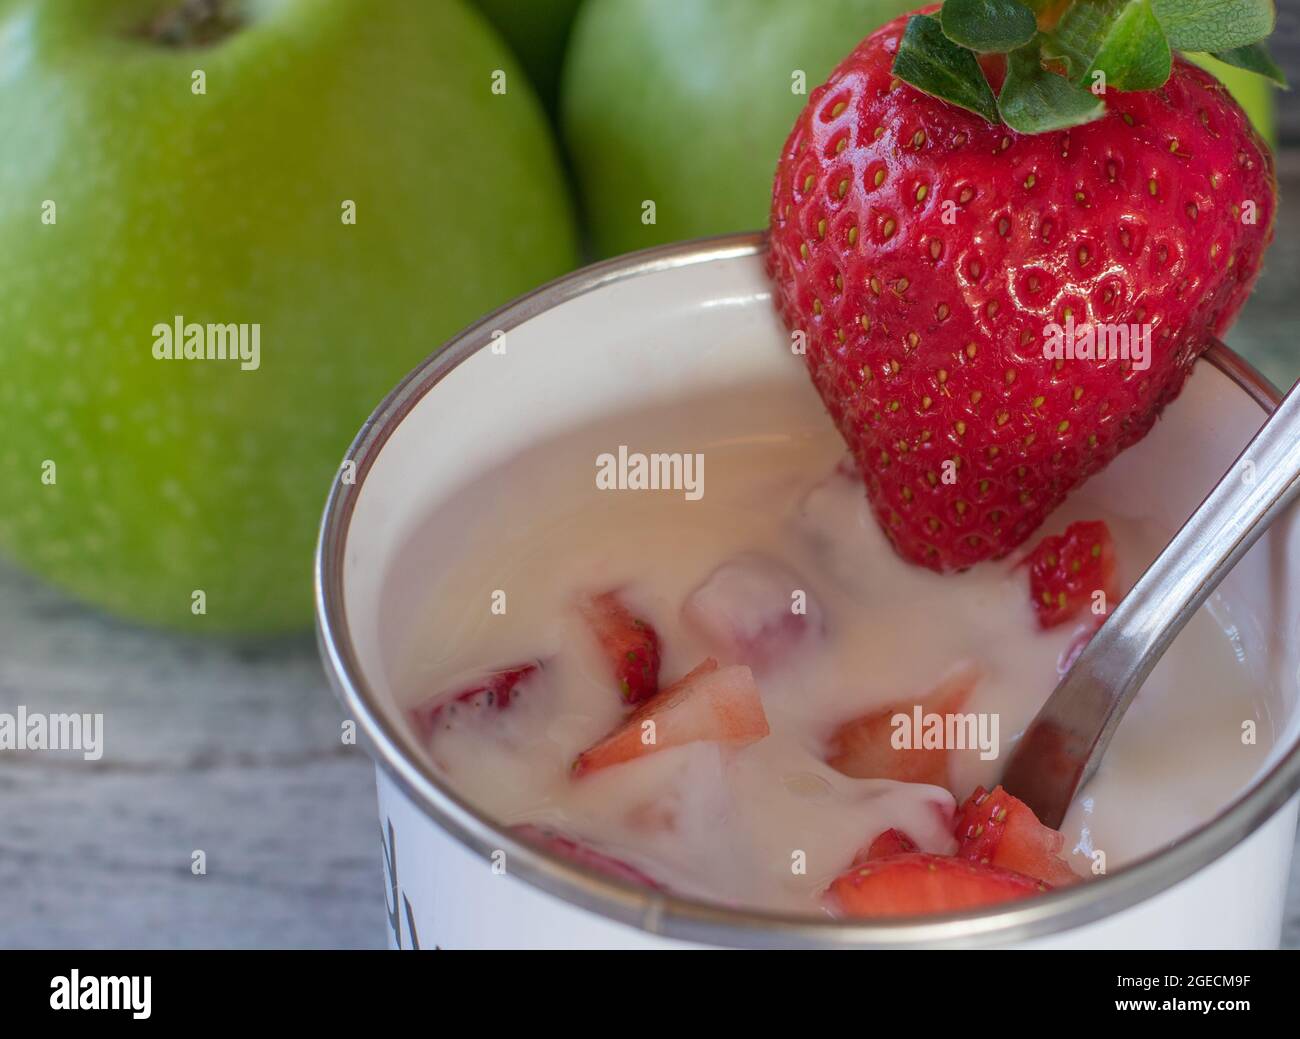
[194, 23]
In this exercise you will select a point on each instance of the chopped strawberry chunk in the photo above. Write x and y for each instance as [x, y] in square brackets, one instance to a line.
[891, 842]
[1065, 571]
[753, 610]
[915, 883]
[863, 747]
[709, 703]
[1000, 830]
[630, 644]
[495, 691]
[584, 855]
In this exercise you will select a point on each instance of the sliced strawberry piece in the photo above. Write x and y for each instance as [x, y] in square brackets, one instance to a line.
[891, 842]
[630, 644]
[710, 703]
[914, 883]
[1066, 569]
[584, 855]
[495, 691]
[863, 747]
[745, 611]
[1000, 830]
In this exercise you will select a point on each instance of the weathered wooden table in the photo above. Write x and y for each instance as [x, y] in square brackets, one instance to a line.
[235, 752]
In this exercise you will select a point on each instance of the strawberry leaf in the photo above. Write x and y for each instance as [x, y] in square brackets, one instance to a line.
[1036, 100]
[1214, 25]
[1255, 58]
[988, 26]
[931, 62]
[1120, 39]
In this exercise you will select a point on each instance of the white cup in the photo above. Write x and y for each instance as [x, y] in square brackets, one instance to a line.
[639, 330]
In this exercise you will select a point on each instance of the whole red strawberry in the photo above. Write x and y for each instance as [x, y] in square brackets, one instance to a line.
[937, 262]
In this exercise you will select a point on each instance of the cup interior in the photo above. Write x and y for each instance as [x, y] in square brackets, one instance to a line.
[644, 334]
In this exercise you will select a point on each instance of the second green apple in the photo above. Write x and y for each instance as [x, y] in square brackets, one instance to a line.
[685, 105]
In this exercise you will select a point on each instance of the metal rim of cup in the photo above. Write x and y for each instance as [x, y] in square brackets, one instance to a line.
[669, 915]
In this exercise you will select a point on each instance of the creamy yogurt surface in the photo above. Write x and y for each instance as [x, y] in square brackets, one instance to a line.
[771, 824]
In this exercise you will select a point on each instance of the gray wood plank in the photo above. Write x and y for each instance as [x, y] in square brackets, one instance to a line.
[231, 750]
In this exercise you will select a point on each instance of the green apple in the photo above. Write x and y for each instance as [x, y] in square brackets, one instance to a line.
[537, 30]
[1254, 93]
[686, 105]
[337, 177]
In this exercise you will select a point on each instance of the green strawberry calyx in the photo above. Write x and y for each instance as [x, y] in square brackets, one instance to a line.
[1062, 56]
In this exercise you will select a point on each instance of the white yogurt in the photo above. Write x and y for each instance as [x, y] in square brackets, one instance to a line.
[771, 824]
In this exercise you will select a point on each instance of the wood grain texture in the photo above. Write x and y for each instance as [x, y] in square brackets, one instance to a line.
[231, 750]
[235, 750]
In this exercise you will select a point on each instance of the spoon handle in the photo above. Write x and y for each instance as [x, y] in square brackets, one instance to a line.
[1063, 746]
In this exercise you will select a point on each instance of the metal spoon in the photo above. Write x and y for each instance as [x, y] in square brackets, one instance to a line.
[1066, 741]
